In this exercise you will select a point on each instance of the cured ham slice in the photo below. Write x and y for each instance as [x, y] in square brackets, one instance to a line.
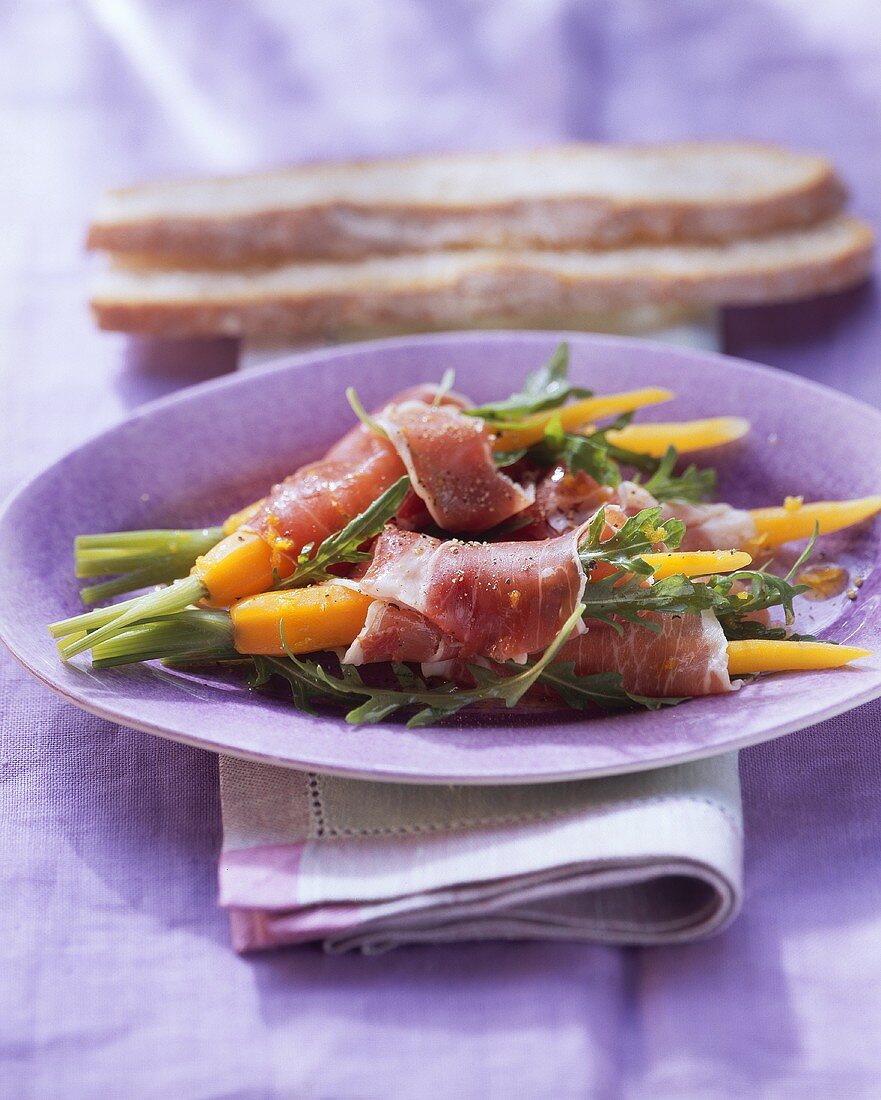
[564, 500]
[687, 656]
[712, 526]
[324, 496]
[413, 515]
[499, 600]
[392, 633]
[449, 458]
[707, 526]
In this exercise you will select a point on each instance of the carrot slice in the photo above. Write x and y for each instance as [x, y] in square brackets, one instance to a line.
[697, 563]
[684, 435]
[240, 518]
[578, 414]
[322, 616]
[238, 566]
[795, 520]
[762, 655]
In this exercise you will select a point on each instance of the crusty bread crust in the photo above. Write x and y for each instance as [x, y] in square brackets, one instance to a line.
[349, 228]
[454, 290]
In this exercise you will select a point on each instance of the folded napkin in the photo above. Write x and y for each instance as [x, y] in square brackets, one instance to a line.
[649, 858]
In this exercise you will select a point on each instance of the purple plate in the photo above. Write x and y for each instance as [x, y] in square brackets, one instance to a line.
[192, 459]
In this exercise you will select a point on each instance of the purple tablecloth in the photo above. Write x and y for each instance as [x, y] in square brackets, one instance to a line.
[116, 975]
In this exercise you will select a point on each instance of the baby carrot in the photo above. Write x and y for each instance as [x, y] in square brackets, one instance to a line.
[796, 520]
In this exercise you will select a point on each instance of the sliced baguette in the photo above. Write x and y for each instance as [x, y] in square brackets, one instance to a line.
[574, 196]
[459, 289]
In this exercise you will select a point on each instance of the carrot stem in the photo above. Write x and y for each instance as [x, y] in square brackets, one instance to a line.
[199, 634]
[141, 558]
[155, 605]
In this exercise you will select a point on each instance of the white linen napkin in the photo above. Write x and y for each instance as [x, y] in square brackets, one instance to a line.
[649, 858]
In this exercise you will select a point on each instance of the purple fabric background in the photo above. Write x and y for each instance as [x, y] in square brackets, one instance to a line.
[116, 976]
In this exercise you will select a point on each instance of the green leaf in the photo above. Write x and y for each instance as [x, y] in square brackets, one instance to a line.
[547, 388]
[624, 598]
[601, 689]
[692, 484]
[645, 463]
[749, 590]
[593, 454]
[737, 629]
[311, 683]
[639, 535]
[578, 453]
[304, 695]
[805, 554]
[343, 547]
[363, 415]
[739, 594]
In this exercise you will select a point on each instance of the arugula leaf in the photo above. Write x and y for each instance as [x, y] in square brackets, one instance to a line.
[639, 460]
[342, 547]
[593, 453]
[547, 388]
[692, 484]
[803, 557]
[623, 597]
[587, 453]
[754, 590]
[758, 590]
[311, 682]
[639, 535]
[738, 630]
[363, 415]
[304, 697]
[602, 689]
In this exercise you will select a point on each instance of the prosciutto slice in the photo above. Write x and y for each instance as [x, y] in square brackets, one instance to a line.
[499, 600]
[392, 633]
[711, 526]
[449, 458]
[324, 496]
[687, 656]
[564, 500]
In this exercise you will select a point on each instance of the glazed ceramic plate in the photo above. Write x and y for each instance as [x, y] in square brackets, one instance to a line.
[190, 460]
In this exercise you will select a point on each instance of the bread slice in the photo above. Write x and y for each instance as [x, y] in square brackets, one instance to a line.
[573, 196]
[464, 289]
